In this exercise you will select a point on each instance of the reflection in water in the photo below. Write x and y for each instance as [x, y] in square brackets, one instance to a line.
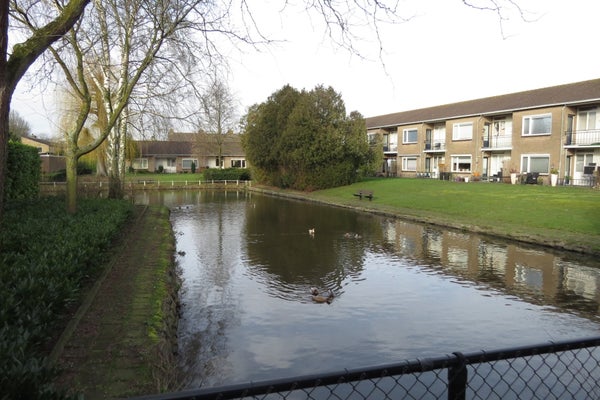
[403, 290]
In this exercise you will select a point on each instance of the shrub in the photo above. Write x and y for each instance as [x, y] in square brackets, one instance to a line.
[22, 172]
[43, 266]
[228, 174]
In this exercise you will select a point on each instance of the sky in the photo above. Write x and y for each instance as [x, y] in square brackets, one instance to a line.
[445, 52]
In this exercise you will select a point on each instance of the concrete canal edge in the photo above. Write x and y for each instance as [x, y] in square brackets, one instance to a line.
[122, 341]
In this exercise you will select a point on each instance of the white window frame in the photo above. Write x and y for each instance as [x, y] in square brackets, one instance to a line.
[587, 120]
[407, 163]
[526, 163]
[242, 163]
[189, 161]
[406, 133]
[392, 141]
[140, 163]
[455, 161]
[528, 125]
[462, 131]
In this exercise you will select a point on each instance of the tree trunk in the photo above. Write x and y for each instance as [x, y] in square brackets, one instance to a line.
[71, 184]
[5, 96]
[115, 188]
[6, 90]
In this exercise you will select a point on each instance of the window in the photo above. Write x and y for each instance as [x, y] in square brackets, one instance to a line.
[186, 163]
[462, 131]
[409, 163]
[170, 162]
[461, 163]
[373, 138]
[238, 163]
[583, 159]
[502, 127]
[390, 142]
[140, 163]
[409, 136]
[539, 163]
[586, 120]
[537, 125]
[439, 133]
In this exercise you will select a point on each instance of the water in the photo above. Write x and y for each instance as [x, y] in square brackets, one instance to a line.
[402, 290]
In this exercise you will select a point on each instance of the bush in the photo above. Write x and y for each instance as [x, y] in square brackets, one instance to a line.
[228, 174]
[43, 266]
[23, 170]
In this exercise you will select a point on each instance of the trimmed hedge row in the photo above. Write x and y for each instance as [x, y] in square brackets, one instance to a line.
[227, 174]
[23, 170]
[45, 257]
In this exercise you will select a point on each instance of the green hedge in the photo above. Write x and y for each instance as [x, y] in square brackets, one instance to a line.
[45, 257]
[23, 170]
[227, 174]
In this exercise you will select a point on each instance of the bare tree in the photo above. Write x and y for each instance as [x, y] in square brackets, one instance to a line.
[17, 126]
[14, 65]
[217, 117]
[130, 47]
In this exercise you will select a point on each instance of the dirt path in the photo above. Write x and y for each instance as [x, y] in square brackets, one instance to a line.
[116, 345]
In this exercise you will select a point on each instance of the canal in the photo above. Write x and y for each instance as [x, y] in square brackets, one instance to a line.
[401, 290]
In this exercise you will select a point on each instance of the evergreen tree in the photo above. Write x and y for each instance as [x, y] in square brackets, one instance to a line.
[304, 140]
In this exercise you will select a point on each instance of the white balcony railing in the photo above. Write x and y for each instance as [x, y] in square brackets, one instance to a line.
[583, 138]
[436, 145]
[497, 142]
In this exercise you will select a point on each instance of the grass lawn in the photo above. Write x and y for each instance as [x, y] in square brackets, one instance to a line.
[564, 217]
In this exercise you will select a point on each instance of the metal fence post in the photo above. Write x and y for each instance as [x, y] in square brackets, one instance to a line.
[457, 378]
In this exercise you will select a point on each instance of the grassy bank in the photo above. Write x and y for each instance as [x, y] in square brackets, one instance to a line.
[561, 217]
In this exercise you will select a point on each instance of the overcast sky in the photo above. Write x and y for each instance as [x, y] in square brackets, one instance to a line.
[446, 52]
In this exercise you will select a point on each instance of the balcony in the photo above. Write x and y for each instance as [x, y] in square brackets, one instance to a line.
[583, 138]
[434, 146]
[390, 148]
[497, 143]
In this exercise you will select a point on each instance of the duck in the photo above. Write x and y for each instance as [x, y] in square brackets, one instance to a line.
[325, 297]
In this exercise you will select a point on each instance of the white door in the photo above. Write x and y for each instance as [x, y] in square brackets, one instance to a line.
[581, 160]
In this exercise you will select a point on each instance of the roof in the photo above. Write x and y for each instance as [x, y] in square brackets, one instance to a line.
[181, 136]
[231, 144]
[48, 142]
[202, 144]
[164, 148]
[569, 94]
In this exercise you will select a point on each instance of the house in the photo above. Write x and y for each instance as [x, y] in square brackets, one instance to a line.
[531, 132]
[182, 149]
[50, 153]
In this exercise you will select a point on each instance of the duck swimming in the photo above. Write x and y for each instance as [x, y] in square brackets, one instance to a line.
[325, 297]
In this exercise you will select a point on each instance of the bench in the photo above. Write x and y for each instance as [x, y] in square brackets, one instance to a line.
[146, 181]
[364, 193]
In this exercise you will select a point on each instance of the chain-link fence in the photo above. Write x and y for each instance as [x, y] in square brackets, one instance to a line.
[555, 370]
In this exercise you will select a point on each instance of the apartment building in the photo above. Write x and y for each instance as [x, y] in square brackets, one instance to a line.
[532, 133]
